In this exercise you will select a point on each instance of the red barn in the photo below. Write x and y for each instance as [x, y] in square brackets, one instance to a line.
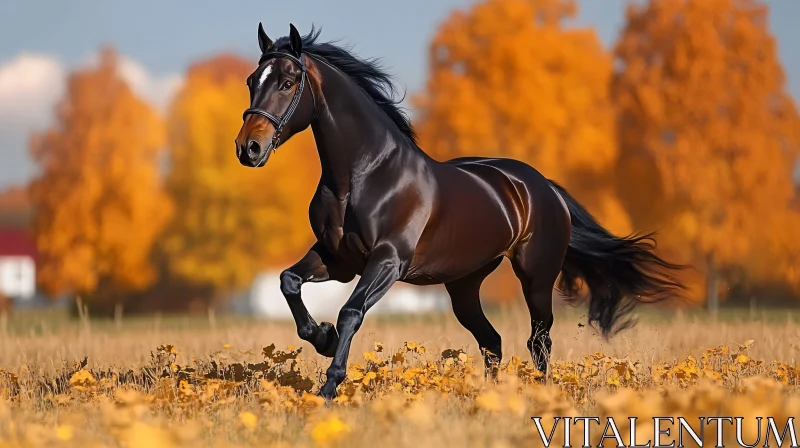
[17, 264]
[17, 248]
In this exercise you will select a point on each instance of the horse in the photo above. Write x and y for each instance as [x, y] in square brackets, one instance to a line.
[386, 211]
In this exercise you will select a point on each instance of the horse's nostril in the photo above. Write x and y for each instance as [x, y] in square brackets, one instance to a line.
[253, 149]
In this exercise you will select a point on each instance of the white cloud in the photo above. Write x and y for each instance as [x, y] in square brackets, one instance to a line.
[157, 90]
[30, 87]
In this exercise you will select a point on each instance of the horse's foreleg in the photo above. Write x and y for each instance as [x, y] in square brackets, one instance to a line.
[316, 266]
[380, 273]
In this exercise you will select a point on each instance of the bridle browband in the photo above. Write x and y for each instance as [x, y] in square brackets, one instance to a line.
[298, 94]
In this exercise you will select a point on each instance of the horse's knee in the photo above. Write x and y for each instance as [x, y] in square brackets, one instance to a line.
[290, 283]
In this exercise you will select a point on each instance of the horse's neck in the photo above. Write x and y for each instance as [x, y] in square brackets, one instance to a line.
[349, 135]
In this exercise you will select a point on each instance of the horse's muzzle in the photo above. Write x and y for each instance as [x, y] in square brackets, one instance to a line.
[252, 154]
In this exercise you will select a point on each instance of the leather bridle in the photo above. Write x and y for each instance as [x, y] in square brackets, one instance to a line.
[298, 94]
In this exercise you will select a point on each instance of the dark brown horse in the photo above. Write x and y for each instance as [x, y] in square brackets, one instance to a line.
[388, 212]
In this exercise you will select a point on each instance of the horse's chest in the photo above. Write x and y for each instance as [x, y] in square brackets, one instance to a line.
[335, 225]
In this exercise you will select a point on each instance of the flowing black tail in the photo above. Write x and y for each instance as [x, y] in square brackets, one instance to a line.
[619, 272]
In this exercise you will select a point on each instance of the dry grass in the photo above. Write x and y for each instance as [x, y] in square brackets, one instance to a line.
[210, 384]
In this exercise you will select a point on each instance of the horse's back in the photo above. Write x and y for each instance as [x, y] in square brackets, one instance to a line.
[512, 168]
[529, 184]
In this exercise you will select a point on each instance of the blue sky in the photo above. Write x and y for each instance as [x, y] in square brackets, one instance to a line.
[41, 40]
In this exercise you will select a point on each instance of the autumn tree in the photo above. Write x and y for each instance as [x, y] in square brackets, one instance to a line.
[509, 79]
[708, 134]
[98, 197]
[231, 221]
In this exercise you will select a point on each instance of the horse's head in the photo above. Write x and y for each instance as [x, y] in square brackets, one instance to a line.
[281, 99]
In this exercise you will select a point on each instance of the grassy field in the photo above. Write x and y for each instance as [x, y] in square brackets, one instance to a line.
[219, 381]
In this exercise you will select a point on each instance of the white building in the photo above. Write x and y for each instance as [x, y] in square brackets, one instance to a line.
[324, 300]
[17, 265]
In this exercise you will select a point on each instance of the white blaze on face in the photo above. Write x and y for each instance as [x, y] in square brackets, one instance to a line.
[265, 74]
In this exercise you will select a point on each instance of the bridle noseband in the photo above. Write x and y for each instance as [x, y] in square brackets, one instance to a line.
[281, 122]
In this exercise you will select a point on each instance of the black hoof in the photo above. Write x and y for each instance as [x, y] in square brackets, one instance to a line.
[327, 340]
[328, 392]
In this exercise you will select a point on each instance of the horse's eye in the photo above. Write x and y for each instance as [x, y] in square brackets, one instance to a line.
[287, 85]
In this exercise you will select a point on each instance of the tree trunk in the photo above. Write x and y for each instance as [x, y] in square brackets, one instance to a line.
[712, 287]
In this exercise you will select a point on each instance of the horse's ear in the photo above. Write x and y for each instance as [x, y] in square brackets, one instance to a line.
[263, 40]
[295, 41]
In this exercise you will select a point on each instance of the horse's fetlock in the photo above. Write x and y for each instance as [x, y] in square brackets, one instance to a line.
[336, 374]
[306, 332]
[493, 353]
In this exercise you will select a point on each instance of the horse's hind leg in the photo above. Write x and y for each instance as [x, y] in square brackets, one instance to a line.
[537, 265]
[465, 297]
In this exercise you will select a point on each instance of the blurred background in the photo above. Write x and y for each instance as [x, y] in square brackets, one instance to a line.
[119, 186]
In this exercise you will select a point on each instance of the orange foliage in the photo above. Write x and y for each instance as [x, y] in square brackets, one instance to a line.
[784, 241]
[232, 221]
[99, 206]
[703, 112]
[507, 79]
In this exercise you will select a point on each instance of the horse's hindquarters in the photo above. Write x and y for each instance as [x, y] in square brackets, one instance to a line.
[478, 216]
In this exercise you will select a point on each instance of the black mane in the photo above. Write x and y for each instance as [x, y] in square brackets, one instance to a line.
[366, 73]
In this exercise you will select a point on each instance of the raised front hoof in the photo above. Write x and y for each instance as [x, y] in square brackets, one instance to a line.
[328, 392]
[327, 340]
